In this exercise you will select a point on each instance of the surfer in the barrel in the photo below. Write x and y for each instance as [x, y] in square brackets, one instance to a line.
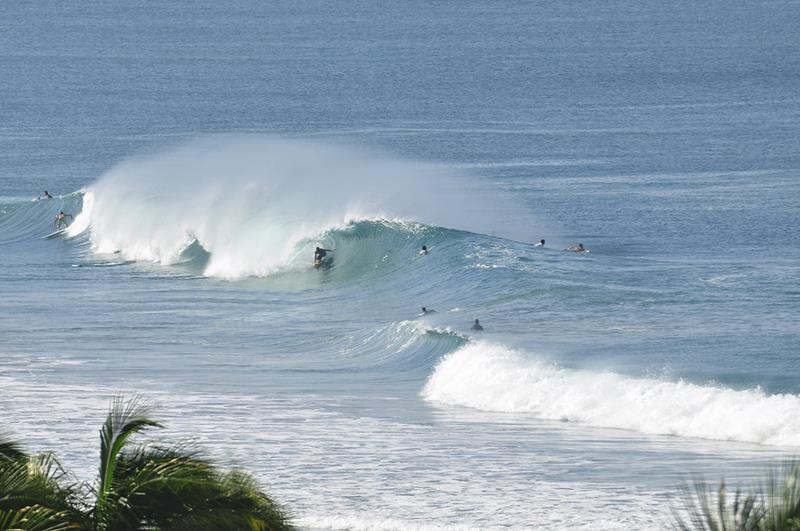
[319, 255]
[61, 220]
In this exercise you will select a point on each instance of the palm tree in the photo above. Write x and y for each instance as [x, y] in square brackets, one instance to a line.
[140, 487]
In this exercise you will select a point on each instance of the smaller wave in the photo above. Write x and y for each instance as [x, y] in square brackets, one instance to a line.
[495, 378]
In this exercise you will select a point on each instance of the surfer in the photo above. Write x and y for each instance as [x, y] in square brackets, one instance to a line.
[540, 244]
[320, 253]
[61, 220]
[426, 311]
[477, 326]
[46, 195]
[577, 248]
[424, 250]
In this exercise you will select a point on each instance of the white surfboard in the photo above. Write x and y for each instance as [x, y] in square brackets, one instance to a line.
[55, 234]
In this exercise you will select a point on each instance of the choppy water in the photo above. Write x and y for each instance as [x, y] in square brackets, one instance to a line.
[205, 150]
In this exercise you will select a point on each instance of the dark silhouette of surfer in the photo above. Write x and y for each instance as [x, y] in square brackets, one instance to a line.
[320, 254]
[61, 220]
[477, 326]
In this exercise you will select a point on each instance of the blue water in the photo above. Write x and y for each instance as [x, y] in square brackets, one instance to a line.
[206, 148]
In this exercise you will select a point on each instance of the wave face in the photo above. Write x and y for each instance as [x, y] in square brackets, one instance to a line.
[25, 221]
[495, 378]
[257, 205]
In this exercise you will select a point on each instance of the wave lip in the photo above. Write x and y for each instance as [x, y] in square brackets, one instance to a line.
[495, 378]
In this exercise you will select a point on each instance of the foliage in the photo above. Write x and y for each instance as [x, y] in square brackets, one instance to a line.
[139, 487]
[776, 508]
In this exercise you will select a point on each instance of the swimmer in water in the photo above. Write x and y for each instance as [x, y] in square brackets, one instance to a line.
[540, 244]
[424, 250]
[426, 311]
[577, 248]
[477, 326]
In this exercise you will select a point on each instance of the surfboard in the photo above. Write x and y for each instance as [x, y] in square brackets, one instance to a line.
[325, 262]
[55, 234]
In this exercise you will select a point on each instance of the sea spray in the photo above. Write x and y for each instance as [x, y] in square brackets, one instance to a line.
[254, 203]
[494, 378]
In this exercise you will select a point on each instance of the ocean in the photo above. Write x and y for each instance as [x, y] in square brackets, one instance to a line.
[205, 149]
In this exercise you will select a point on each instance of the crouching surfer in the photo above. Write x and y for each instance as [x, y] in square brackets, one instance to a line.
[61, 221]
[319, 255]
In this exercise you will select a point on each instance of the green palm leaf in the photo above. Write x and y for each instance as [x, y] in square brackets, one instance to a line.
[36, 518]
[10, 449]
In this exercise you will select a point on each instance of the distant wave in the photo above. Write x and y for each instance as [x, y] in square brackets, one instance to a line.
[258, 205]
[495, 378]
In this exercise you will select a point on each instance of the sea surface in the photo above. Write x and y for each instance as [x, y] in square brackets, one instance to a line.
[204, 149]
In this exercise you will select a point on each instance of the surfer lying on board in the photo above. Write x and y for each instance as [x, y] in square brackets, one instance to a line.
[320, 253]
[577, 248]
[61, 220]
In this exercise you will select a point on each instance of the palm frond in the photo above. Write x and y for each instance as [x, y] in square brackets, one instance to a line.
[174, 488]
[40, 481]
[709, 511]
[9, 449]
[124, 419]
[36, 518]
[783, 495]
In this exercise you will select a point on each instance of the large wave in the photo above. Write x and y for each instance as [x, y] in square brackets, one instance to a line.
[258, 204]
[494, 378]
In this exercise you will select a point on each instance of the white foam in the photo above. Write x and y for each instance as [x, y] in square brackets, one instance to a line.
[250, 200]
[495, 378]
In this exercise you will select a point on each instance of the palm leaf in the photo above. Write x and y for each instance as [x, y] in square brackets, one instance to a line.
[173, 488]
[783, 495]
[10, 449]
[39, 482]
[123, 420]
[36, 518]
[745, 513]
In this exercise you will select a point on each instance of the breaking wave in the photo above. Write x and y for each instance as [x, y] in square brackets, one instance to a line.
[494, 378]
[257, 205]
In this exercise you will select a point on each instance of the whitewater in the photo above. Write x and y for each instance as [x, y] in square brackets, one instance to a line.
[205, 151]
